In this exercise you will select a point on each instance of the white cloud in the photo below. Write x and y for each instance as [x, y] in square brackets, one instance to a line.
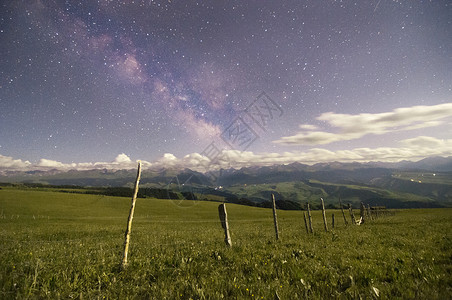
[48, 163]
[426, 141]
[167, 161]
[315, 138]
[122, 161]
[410, 149]
[196, 159]
[122, 158]
[308, 127]
[169, 157]
[350, 127]
[7, 162]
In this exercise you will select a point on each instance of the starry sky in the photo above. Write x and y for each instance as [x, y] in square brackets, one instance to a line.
[223, 83]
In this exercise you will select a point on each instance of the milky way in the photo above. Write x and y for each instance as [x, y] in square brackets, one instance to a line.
[84, 81]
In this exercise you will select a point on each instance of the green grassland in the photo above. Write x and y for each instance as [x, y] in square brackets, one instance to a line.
[65, 245]
[288, 190]
[425, 177]
[311, 191]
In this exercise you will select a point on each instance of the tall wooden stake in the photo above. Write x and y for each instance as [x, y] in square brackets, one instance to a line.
[352, 216]
[332, 220]
[129, 221]
[324, 215]
[275, 218]
[362, 212]
[342, 210]
[224, 224]
[369, 213]
[305, 222]
[309, 218]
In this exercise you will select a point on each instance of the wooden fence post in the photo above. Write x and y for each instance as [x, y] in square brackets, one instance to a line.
[309, 218]
[362, 212]
[332, 220]
[275, 219]
[342, 210]
[377, 211]
[369, 214]
[352, 216]
[224, 223]
[324, 215]
[305, 222]
[129, 221]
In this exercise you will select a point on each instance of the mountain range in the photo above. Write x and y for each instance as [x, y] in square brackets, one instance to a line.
[425, 183]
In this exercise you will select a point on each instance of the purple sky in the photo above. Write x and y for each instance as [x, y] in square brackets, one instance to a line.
[266, 81]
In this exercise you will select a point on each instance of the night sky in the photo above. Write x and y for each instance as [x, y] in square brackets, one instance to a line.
[104, 83]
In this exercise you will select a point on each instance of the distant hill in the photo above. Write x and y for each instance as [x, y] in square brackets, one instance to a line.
[434, 164]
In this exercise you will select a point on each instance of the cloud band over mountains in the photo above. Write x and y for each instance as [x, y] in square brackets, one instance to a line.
[410, 149]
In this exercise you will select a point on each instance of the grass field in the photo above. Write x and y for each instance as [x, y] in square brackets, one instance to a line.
[60, 245]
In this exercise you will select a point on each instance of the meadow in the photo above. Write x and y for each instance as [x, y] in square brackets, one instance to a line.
[69, 246]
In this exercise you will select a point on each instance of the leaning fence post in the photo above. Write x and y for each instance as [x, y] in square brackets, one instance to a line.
[324, 215]
[129, 221]
[275, 219]
[342, 210]
[309, 218]
[224, 223]
[305, 222]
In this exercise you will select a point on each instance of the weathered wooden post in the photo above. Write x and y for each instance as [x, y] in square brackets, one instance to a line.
[324, 215]
[305, 222]
[369, 214]
[309, 218]
[379, 211]
[275, 219]
[352, 216]
[224, 223]
[129, 221]
[342, 210]
[362, 212]
[332, 220]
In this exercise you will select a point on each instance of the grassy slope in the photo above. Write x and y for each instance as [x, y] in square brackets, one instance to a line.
[69, 245]
[302, 192]
[426, 177]
[289, 190]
